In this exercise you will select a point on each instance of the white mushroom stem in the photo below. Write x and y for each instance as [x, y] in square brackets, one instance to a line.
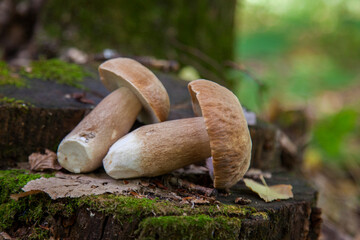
[156, 149]
[83, 149]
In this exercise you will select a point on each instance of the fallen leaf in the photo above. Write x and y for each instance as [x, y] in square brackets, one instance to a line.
[200, 201]
[81, 97]
[135, 194]
[159, 184]
[144, 183]
[188, 198]
[77, 185]
[281, 191]
[46, 161]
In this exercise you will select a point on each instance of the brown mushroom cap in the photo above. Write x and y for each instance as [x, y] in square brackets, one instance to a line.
[227, 128]
[124, 72]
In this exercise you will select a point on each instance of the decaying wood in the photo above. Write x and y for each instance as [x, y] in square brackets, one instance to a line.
[296, 218]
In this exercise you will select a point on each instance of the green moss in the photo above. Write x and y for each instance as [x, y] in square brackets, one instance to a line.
[29, 209]
[13, 180]
[12, 102]
[128, 208]
[262, 215]
[229, 210]
[189, 227]
[39, 233]
[8, 77]
[58, 71]
[222, 221]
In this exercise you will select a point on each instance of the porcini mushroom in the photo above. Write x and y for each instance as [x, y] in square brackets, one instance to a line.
[137, 92]
[221, 133]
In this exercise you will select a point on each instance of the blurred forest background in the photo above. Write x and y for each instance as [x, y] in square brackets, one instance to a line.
[306, 55]
[294, 63]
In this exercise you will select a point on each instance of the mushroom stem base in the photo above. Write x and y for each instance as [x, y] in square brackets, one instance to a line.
[157, 149]
[83, 149]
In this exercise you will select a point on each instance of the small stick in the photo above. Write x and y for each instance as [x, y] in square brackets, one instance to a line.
[191, 186]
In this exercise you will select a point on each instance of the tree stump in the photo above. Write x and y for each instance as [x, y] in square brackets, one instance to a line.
[158, 216]
[52, 110]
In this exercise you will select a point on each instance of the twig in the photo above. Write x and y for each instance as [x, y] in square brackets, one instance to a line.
[244, 70]
[286, 143]
[197, 53]
[191, 186]
[209, 74]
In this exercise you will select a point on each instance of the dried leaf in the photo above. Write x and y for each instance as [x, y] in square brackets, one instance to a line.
[144, 183]
[242, 201]
[200, 201]
[188, 198]
[159, 184]
[77, 185]
[135, 194]
[81, 97]
[281, 191]
[41, 162]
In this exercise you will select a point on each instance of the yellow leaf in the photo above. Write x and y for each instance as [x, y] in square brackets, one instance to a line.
[281, 191]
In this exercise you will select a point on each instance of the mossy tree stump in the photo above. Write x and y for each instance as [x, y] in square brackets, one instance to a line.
[110, 216]
[50, 110]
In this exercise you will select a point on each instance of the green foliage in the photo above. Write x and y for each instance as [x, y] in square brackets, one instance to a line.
[306, 77]
[58, 71]
[8, 77]
[300, 50]
[249, 90]
[332, 132]
[269, 43]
